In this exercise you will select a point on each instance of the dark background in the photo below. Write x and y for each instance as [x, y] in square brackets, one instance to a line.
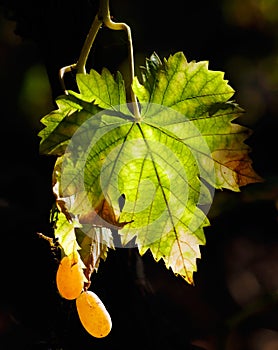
[233, 304]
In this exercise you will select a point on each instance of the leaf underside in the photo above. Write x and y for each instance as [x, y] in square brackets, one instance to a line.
[164, 165]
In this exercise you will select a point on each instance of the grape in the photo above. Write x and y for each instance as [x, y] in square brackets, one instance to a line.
[93, 314]
[70, 277]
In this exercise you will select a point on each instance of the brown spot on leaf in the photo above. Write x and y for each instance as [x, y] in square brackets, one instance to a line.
[103, 215]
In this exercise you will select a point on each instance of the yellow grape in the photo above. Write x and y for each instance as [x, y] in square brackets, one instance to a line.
[70, 277]
[93, 314]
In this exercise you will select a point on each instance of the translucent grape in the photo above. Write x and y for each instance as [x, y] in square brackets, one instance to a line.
[93, 314]
[70, 277]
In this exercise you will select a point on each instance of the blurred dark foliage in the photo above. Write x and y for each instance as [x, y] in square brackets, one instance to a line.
[233, 305]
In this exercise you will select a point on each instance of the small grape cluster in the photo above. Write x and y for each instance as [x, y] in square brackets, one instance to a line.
[91, 311]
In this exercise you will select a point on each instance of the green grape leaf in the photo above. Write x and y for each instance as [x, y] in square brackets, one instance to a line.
[165, 164]
[65, 233]
[102, 89]
[202, 96]
[61, 124]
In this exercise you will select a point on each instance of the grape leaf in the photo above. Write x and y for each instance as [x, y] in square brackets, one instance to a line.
[202, 96]
[91, 242]
[164, 165]
[94, 243]
[102, 89]
[61, 124]
[65, 233]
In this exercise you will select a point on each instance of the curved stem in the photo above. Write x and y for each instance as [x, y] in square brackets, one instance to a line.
[95, 27]
[103, 17]
[62, 72]
[105, 14]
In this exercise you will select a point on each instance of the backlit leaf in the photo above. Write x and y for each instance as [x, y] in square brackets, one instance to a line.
[164, 164]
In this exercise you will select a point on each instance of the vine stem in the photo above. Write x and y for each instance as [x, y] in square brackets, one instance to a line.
[103, 18]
